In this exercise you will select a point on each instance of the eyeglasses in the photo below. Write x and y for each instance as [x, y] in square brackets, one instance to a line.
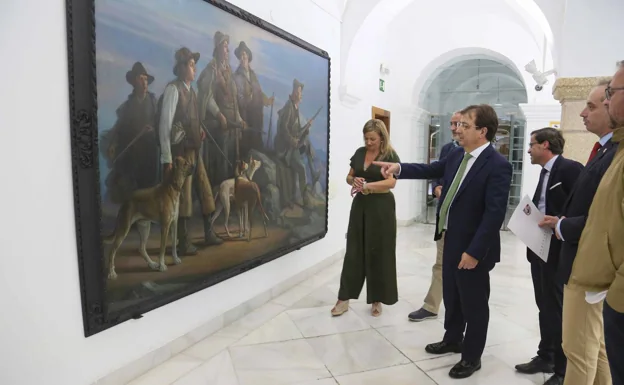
[609, 91]
[456, 124]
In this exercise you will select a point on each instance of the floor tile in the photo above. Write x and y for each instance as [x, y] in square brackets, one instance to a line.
[217, 371]
[322, 296]
[169, 371]
[318, 321]
[277, 363]
[411, 337]
[209, 347]
[347, 353]
[396, 375]
[280, 328]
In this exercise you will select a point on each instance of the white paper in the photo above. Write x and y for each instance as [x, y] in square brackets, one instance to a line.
[524, 223]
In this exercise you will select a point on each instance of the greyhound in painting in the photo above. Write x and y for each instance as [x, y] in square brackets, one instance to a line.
[225, 192]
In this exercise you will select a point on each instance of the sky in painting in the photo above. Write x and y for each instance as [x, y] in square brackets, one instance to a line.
[150, 31]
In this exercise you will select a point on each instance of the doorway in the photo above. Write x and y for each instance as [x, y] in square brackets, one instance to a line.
[383, 115]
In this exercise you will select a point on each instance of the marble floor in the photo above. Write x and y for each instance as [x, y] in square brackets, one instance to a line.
[294, 340]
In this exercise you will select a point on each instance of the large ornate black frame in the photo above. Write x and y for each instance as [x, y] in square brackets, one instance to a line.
[81, 49]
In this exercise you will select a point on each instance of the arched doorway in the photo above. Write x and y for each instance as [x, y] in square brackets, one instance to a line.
[476, 80]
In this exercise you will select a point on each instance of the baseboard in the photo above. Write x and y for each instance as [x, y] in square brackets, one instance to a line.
[156, 357]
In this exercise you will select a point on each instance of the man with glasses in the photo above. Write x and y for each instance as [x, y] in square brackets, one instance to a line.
[599, 266]
[430, 308]
[476, 183]
[582, 326]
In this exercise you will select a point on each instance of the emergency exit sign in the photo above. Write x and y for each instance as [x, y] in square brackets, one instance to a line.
[382, 85]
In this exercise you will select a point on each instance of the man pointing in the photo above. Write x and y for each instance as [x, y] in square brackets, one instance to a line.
[476, 180]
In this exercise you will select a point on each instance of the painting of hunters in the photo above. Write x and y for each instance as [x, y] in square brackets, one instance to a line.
[212, 144]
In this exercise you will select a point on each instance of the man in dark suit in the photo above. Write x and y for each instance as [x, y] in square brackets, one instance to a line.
[430, 308]
[582, 328]
[557, 179]
[476, 180]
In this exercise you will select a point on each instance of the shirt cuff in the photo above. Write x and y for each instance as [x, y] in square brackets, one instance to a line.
[558, 230]
[398, 172]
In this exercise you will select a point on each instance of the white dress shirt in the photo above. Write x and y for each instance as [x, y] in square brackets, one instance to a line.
[541, 206]
[169, 105]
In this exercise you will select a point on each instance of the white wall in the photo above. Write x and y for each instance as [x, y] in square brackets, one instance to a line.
[589, 31]
[415, 41]
[41, 325]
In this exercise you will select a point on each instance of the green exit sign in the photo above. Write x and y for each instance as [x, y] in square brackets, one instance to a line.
[382, 85]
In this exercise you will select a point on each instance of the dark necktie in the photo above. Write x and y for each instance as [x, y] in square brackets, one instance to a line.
[540, 185]
[594, 151]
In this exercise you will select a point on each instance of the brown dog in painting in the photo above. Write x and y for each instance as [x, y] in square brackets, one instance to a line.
[158, 204]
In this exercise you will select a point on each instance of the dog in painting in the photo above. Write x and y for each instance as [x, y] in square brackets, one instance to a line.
[158, 204]
[225, 192]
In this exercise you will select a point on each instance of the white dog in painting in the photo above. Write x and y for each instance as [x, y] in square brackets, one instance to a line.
[225, 193]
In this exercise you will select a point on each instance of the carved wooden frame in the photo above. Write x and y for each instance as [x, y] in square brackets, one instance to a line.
[81, 49]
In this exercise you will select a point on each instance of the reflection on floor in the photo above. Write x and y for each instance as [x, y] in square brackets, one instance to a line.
[294, 340]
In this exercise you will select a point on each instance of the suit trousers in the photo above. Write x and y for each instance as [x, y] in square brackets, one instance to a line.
[584, 340]
[614, 341]
[434, 295]
[549, 301]
[466, 299]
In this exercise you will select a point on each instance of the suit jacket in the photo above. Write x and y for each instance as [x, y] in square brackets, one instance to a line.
[563, 176]
[576, 207]
[446, 149]
[599, 262]
[478, 210]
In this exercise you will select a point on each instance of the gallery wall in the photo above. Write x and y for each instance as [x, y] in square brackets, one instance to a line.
[41, 330]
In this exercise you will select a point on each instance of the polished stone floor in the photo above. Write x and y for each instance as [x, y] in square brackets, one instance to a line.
[294, 340]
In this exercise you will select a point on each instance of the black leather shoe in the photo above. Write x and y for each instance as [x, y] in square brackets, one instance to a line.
[443, 348]
[555, 380]
[421, 315]
[537, 365]
[464, 369]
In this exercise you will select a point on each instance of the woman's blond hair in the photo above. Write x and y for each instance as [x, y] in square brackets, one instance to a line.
[378, 126]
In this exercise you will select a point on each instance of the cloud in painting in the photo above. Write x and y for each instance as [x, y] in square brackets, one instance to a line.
[192, 23]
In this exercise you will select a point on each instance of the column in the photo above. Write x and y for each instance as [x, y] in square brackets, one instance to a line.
[572, 94]
[537, 116]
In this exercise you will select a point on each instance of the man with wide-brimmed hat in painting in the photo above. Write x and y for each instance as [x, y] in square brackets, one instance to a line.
[292, 142]
[251, 100]
[180, 134]
[130, 146]
[219, 110]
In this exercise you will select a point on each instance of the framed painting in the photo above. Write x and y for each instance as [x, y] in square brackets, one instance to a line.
[200, 148]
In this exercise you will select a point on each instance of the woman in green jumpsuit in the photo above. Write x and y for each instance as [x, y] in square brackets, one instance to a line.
[371, 236]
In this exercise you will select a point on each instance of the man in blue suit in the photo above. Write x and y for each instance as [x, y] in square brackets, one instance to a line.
[431, 305]
[476, 180]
